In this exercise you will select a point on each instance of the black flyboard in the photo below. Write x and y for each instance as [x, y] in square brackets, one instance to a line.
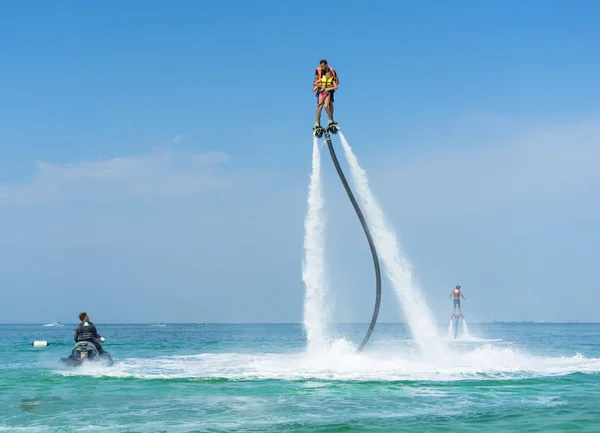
[319, 130]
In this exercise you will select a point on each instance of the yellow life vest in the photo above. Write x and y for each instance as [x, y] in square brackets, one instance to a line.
[326, 82]
[319, 74]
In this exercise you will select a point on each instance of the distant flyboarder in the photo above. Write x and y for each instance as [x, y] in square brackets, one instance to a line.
[325, 84]
[457, 294]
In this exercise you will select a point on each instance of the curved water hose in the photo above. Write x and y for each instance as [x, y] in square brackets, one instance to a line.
[369, 239]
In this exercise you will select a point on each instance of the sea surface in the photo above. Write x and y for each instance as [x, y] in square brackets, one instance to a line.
[497, 377]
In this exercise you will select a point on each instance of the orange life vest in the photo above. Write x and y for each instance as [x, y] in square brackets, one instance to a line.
[319, 75]
[456, 293]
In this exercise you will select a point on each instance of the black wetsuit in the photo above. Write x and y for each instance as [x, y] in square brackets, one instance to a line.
[86, 331]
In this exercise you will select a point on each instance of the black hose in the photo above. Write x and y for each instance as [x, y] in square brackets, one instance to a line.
[369, 239]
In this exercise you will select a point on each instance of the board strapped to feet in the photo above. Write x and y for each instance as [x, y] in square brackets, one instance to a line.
[332, 128]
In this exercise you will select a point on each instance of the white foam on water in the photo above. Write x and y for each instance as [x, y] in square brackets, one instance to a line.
[471, 339]
[340, 361]
[398, 269]
[313, 267]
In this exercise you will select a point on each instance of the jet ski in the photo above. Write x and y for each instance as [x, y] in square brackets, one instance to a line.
[87, 352]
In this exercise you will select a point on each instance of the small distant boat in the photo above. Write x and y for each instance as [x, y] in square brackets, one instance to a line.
[54, 324]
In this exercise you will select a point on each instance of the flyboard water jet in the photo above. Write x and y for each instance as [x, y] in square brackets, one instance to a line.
[455, 319]
[333, 129]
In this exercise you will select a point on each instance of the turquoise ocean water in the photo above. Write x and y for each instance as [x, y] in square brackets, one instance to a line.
[499, 377]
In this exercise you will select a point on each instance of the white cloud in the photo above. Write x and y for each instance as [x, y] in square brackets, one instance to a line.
[540, 168]
[179, 231]
[177, 139]
[210, 158]
[192, 236]
[159, 173]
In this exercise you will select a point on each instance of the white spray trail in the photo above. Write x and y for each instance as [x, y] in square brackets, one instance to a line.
[313, 272]
[398, 269]
[451, 329]
[465, 329]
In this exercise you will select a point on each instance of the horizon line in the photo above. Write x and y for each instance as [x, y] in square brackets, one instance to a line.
[298, 323]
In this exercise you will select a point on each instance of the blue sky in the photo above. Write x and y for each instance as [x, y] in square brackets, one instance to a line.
[154, 156]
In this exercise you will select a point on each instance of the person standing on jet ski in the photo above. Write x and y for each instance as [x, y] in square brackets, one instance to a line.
[86, 331]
